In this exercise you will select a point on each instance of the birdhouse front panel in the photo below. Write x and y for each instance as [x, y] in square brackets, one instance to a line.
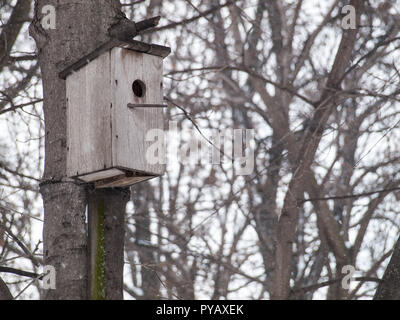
[137, 87]
[113, 102]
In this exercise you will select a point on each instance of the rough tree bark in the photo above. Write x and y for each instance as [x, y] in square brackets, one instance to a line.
[389, 288]
[81, 26]
[106, 221]
[5, 293]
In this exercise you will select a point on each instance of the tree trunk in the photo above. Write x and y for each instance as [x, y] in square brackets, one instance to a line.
[288, 220]
[81, 26]
[106, 243]
[5, 293]
[389, 288]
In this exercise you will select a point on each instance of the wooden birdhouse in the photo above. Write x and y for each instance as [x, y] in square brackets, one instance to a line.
[114, 97]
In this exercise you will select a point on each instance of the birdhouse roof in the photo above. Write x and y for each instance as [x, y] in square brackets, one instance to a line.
[133, 45]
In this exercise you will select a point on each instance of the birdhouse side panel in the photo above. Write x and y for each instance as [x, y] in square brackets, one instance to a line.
[137, 82]
[89, 118]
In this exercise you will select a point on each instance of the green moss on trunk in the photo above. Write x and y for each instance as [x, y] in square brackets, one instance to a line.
[100, 267]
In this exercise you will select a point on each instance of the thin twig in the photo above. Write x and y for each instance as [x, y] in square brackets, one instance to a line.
[317, 286]
[348, 196]
[21, 273]
[187, 21]
[187, 115]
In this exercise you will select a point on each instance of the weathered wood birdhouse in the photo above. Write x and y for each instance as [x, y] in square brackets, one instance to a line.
[114, 97]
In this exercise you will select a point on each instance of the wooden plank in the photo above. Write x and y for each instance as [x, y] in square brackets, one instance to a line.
[134, 45]
[131, 126]
[75, 91]
[89, 118]
[105, 47]
[121, 181]
[101, 175]
[149, 48]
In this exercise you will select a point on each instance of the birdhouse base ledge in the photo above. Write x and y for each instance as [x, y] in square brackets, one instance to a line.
[114, 178]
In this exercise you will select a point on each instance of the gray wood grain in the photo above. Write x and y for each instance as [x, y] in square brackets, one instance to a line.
[103, 132]
[89, 123]
[130, 126]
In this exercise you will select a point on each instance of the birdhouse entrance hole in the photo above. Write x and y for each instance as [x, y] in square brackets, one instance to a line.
[139, 88]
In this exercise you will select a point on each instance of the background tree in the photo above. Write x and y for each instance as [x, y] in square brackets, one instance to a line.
[324, 105]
